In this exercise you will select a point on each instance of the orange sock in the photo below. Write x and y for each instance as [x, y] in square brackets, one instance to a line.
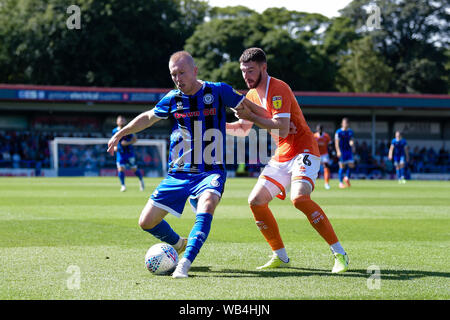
[316, 217]
[326, 175]
[267, 225]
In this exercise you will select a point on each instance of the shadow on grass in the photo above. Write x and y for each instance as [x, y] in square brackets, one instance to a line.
[388, 274]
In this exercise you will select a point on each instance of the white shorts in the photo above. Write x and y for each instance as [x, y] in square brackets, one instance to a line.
[325, 158]
[278, 176]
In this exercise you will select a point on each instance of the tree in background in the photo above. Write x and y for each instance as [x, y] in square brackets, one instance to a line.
[289, 38]
[413, 38]
[127, 43]
[363, 69]
[120, 43]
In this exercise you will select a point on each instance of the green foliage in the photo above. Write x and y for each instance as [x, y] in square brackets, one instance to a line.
[287, 37]
[363, 70]
[412, 40]
[120, 43]
[127, 43]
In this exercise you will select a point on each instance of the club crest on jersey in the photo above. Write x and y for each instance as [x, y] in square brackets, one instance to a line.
[277, 102]
[208, 98]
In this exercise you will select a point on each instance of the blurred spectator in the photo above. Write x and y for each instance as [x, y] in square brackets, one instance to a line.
[23, 149]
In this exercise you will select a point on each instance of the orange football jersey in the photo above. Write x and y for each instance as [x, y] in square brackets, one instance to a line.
[323, 141]
[280, 101]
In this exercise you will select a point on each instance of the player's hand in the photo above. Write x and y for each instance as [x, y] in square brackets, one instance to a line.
[338, 154]
[112, 144]
[292, 128]
[243, 112]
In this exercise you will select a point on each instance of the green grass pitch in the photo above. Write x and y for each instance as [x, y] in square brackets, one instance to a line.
[50, 224]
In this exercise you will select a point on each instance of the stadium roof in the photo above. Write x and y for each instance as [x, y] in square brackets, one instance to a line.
[39, 93]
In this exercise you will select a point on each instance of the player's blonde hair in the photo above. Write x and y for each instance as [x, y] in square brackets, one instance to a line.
[179, 55]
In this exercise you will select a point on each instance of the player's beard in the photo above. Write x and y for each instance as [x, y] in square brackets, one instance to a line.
[256, 84]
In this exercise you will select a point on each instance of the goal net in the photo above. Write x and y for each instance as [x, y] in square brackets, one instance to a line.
[88, 157]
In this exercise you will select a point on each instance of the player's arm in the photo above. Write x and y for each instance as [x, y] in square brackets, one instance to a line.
[240, 128]
[250, 111]
[141, 122]
[352, 145]
[336, 145]
[391, 152]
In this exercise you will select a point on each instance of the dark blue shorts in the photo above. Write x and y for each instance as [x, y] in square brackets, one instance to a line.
[346, 157]
[399, 160]
[127, 161]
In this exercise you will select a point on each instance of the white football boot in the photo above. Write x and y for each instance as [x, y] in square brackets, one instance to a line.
[181, 271]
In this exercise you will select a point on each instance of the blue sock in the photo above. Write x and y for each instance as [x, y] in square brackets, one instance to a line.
[138, 174]
[398, 174]
[198, 235]
[402, 172]
[164, 232]
[341, 174]
[122, 177]
[349, 172]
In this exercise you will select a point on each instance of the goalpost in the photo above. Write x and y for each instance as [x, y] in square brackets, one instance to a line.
[159, 144]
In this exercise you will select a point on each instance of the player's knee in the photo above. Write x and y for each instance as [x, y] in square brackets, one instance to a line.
[208, 202]
[257, 200]
[146, 222]
[300, 201]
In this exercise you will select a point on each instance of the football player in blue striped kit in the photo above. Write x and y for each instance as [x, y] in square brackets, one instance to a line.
[345, 147]
[125, 155]
[399, 154]
[196, 156]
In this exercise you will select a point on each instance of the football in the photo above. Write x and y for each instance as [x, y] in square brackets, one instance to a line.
[161, 259]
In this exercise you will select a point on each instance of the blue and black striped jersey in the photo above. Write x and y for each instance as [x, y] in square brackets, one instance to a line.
[198, 139]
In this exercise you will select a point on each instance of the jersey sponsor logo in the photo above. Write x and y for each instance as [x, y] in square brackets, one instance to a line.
[208, 98]
[277, 102]
[206, 112]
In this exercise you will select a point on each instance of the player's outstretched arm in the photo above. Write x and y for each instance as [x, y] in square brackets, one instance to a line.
[240, 128]
[141, 122]
[250, 111]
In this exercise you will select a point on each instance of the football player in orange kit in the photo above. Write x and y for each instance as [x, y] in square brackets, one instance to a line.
[295, 164]
[323, 140]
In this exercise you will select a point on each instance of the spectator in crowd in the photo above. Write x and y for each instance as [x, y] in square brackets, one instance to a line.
[23, 149]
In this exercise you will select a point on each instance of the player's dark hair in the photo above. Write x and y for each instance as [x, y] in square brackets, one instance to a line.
[253, 54]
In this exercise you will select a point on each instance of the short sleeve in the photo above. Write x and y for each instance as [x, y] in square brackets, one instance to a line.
[230, 97]
[281, 102]
[162, 108]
